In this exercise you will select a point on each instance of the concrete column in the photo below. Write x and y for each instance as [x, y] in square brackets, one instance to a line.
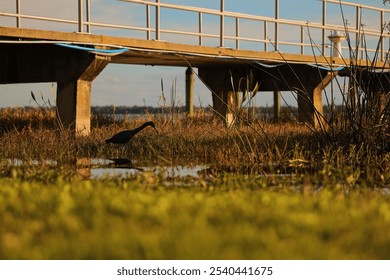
[276, 106]
[307, 81]
[72, 69]
[223, 103]
[219, 81]
[310, 107]
[74, 106]
[190, 79]
[74, 99]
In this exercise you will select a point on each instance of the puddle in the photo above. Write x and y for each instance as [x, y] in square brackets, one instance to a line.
[100, 168]
[97, 168]
[19, 162]
[173, 171]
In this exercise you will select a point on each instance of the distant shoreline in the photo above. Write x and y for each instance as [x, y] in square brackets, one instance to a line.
[145, 110]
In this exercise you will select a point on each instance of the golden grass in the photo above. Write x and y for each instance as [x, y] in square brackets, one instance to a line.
[261, 147]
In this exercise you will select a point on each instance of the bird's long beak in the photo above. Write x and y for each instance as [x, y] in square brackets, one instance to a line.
[155, 130]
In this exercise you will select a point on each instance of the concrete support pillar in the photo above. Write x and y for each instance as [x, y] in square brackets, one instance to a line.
[74, 106]
[307, 81]
[223, 103]
[73, 70]
[377, 94]
[384, 104]
[190, 79]
[219, 80]
[310, 107]
[276, 106]
[74, 99]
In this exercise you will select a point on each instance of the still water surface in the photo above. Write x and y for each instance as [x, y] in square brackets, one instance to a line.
[97, 168]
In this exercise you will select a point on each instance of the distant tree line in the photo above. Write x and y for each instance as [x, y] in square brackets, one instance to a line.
[134, 110]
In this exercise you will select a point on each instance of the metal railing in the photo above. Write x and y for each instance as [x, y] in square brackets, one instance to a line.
[269, 39]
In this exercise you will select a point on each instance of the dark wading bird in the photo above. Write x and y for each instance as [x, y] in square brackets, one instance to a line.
[125, 136]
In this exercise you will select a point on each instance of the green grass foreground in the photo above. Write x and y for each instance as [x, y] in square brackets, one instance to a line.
[230, 217]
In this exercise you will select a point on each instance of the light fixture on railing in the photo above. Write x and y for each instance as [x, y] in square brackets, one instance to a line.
[336, 39]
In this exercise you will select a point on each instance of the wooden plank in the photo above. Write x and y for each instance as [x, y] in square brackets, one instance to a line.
[173, 54]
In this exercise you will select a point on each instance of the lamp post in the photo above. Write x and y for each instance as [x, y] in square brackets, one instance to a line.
[336, 39]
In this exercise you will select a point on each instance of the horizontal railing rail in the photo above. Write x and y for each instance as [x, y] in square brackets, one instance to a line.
[269, 39]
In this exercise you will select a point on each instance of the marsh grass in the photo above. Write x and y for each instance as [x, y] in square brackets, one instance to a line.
[283, 148]
[197, 139]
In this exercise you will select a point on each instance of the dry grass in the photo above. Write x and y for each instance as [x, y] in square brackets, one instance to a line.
[260, 148]
[199, 139]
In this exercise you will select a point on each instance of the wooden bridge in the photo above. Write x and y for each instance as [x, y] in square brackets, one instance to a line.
[305, 64]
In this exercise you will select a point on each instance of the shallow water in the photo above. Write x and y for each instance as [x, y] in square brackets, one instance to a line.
[102, 168]
[171, 171]
[97, 168]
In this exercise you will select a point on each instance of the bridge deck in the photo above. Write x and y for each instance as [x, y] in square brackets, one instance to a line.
[151, 52]
[30, 55]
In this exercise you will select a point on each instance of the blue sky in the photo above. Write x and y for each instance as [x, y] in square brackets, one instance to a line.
[140, 85]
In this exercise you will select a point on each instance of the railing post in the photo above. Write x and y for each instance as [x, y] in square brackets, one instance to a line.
[323, 26]
[276, 24]
[88, 7]
[265, 36]
[358, 20]
[222, 25]
[200, 29]
[382, 37]
[158, 20]
[302, 39]
[237, 33]
[148, 21]
[18, 19]
[80, 15]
